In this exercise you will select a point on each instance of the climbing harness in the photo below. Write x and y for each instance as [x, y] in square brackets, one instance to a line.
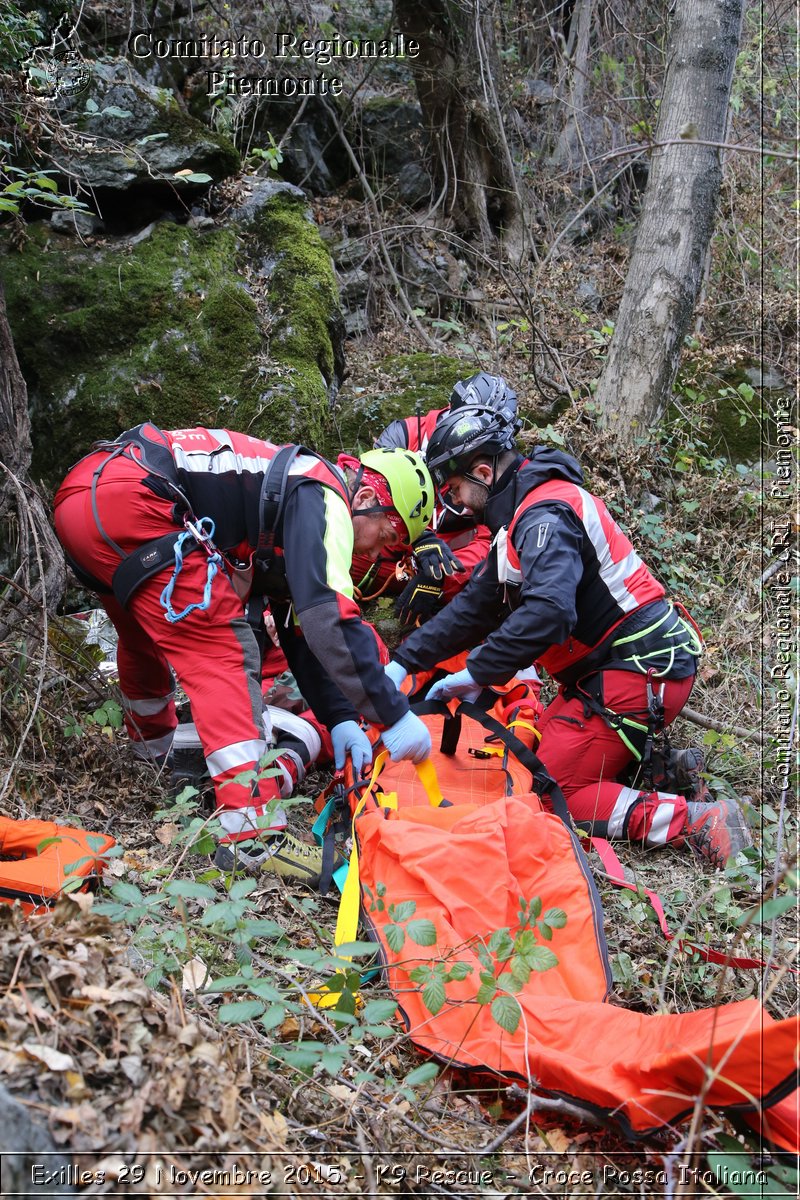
[195, 530]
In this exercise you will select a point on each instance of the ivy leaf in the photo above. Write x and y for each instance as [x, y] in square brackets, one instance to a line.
[433, 995]
[541, 958]
[273, 1017]
[421, 1074]
[768, 910]
[520, 971]
[488, 989]
[379, 1010]
[333, 1059]
[506, 1012]
[500, 943]
[422, 932]
[241, 1010]
[395, 937]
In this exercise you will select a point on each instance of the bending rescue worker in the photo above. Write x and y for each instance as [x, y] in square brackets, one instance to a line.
[272, 523]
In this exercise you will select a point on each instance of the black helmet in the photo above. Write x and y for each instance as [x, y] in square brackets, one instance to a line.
[486, 391]
[463, 434]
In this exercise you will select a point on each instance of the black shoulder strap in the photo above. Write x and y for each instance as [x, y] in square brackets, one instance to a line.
[271, 502]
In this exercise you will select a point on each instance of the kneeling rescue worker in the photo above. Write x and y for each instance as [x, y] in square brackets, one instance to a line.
[446, 555]
[176, 531]
[564, 587]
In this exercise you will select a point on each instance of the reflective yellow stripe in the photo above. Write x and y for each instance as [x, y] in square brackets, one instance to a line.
[644, 632]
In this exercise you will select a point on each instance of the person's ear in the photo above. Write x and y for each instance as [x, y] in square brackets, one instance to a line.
[365, 497]
[483, 471]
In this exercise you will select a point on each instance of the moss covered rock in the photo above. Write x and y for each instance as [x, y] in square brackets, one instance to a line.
[293, 266]
[220, 326]
[400, 385]
[139, 136]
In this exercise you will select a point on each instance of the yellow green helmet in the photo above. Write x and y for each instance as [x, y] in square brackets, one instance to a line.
[410, 485]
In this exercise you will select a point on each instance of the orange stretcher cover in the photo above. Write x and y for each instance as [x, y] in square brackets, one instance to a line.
[466, 867]
[38, 857]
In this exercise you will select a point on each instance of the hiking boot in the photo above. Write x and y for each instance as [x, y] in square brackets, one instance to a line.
[282, 855]
[186, 761]
[717, 831]
[296, 740]
[684, 771]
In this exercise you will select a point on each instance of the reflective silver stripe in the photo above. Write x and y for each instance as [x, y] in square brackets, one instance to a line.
[505, 572]
[153, 747]
[243, 820]
[625, 801]
[613, 574]
[147, 708]
[239, 755]
[226, 460]
[658, 833]
[219, 462]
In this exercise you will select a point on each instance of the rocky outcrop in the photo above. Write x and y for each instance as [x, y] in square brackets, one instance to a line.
[235, 325]
[136, 135]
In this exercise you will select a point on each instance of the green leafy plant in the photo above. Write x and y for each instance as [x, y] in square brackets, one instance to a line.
[107, 718]
[18, 185]
[271, 154]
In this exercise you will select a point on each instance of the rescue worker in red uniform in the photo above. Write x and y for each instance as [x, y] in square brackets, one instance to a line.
[456, 543]
[563, 586]
[278, 524]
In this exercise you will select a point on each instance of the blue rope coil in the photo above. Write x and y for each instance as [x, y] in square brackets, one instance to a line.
[214, 563]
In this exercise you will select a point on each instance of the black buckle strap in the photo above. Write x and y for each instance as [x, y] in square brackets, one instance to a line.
[147, 561]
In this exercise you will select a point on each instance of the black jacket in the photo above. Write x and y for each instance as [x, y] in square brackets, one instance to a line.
[557, 598]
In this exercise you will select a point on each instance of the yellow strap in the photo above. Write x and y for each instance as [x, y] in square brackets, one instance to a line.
[350, 903]
[427, 777]
[525, 725]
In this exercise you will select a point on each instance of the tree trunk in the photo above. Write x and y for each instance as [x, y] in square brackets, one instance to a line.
[677, 221]
[31, 560]
[455, 75]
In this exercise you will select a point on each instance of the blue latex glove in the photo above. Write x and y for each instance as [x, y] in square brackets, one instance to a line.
[461, 686]
[396, 673]
[408, 738]
[347, 735]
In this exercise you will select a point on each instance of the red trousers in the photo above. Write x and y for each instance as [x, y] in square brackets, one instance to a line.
[213, 652]
[585, 757]
[470, 548]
